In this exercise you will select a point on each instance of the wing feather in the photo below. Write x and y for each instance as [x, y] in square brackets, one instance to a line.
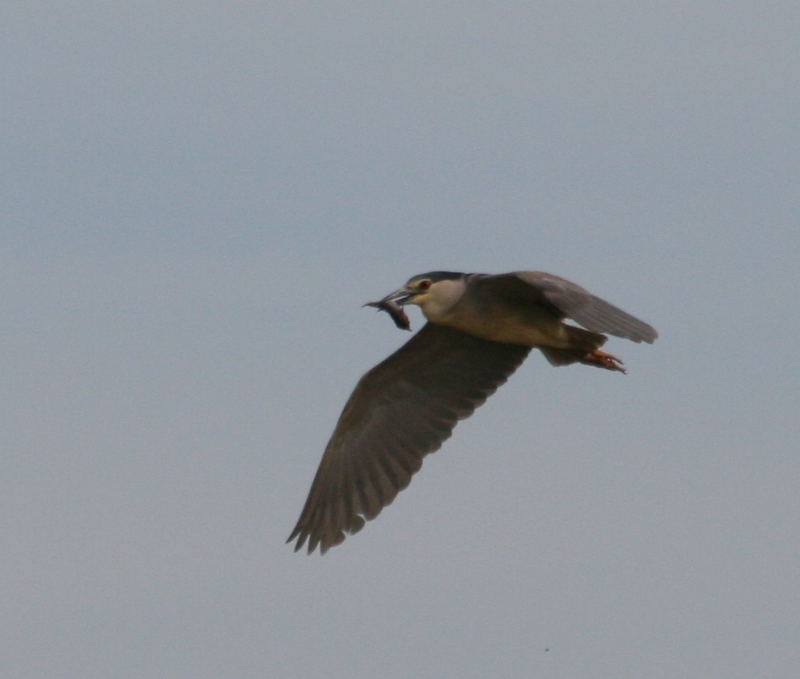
[567, 299]
[400, 411]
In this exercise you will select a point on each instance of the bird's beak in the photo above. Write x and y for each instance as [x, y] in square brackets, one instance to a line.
[400, 296]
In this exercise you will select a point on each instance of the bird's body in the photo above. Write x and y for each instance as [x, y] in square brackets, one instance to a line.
[480, 328]
[501, 320]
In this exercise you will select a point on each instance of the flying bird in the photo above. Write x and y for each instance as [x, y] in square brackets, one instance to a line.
[479, 329]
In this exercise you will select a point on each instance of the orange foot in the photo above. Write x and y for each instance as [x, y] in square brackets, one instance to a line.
[603, 360]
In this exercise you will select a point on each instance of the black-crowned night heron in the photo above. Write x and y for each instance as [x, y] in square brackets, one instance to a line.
[480, 328]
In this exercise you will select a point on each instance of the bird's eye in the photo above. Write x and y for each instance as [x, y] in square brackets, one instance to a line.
[423, 285]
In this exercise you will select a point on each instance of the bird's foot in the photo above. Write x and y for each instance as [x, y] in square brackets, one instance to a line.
[603, 360]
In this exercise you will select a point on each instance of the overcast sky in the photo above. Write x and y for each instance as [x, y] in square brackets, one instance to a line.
[196, 200]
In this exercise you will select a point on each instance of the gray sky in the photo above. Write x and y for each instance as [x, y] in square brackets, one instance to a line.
[196, 200]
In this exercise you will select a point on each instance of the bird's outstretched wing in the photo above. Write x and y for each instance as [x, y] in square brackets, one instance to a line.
[401, 410]
[569, 300]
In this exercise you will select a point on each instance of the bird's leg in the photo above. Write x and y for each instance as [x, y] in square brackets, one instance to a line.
[603, 360]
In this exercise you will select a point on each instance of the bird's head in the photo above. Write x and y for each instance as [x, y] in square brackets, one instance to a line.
[434, 292]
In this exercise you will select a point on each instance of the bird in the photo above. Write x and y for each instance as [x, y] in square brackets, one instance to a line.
[479, 330]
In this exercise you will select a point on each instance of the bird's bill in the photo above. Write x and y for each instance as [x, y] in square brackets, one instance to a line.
[400, 296]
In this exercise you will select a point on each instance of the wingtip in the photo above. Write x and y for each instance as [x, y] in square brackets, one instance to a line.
[649, 336]
[301, 538]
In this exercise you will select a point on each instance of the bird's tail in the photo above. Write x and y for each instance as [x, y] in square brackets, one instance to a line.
[581, 343]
